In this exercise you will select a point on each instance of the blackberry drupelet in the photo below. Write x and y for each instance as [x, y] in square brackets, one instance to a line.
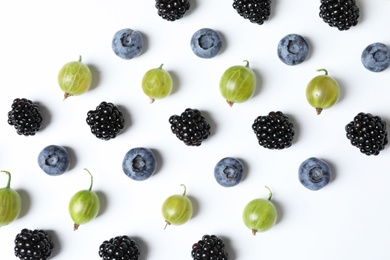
[25, 116]
[190, 127]
[172, 10]
[368, 133]
[274, 131]
[33, 245]
[106, 121]
[119, 248]
[209, 248]
[342, 14]
[256, 11]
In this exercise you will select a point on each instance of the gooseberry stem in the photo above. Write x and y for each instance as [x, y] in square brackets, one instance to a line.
[324, 70]
[90, 187]
[247, 63]
[80, 59]
[9, 179]
[270, 193]
[161, 66]
[185, 189]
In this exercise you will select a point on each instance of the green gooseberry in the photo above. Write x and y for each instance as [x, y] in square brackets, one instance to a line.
[10, 203]
[177, 209]
[84, 206]
[157, 83]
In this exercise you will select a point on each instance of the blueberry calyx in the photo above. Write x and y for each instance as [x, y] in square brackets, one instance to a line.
[52, 160]
[138, 163]
[230, 171]
[316, 174]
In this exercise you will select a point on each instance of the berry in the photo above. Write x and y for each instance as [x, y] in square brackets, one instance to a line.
[340, 14]
[33, 245]
[172, 10]
[119, 248]
[209, 248]
[177, 209]
[256, 11]
[190, 127]
[228, 172]
[139, 163]
[206, 43]
[368, 133]
[10, 203]
[106, 122]
[25, 116]
[376, 57]
[274, 131]
[293, 49]
[127, 43]
[314, 173]
[157, 83]
[54, 160]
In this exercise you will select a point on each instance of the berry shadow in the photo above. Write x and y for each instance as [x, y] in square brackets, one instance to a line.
[228, 247]
[296, 128]
[195, 205]
[143, 247]
[126, 116]
[259, 82]
[96, 76]
[56, 243]
[274, 3]
[245, 169]
[46, 116]
[332, 169]
[175, 82]
[73, 157]
[342, 93]
[103, 202]
[26, 202]
[193, 5]
[159, 160]
[279, 210]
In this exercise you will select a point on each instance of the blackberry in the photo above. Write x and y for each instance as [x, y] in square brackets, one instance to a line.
[342, 14]
[25, 116]
[209, 248]
[256, 11]
[368, 133]
[33, 245]
[106, 121]
[274, 131]
[190, 127]
[119, 248]
[172, 10]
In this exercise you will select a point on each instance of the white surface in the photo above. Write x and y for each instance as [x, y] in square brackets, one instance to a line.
[348, 219]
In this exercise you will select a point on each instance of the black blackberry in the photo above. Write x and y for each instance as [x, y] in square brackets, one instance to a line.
[342, 14]
[172, 10]
[368, 133]
[119, 248]
[25, 116]
[209, 248]
[256, 11]
[33, 245]
[190, 127]
[106, 121]
[274, 131]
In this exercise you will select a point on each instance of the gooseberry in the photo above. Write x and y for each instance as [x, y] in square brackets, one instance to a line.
[74, 78]
[322, 91]
[157, 83]
[238, 84]
[84, 206]
[177, 209]
[10, 203]
[260, 215]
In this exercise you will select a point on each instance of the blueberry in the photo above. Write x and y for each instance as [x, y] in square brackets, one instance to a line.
[293, 49]
[206, 43]
[228, 172]
[314, 173]
[376, 57]
[139, 163]
[127, 43]
[54, 160]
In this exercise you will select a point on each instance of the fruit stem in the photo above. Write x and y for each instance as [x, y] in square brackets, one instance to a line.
[166, 224]
[161, 66]
[247, 63]
[324, 70]
[270, 193]
[318, 110]
[230, 103]
[9, 179]
[185, 189]
[80, 59]
[90, 187]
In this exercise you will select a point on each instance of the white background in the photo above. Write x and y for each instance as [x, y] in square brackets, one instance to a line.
[348, 219]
